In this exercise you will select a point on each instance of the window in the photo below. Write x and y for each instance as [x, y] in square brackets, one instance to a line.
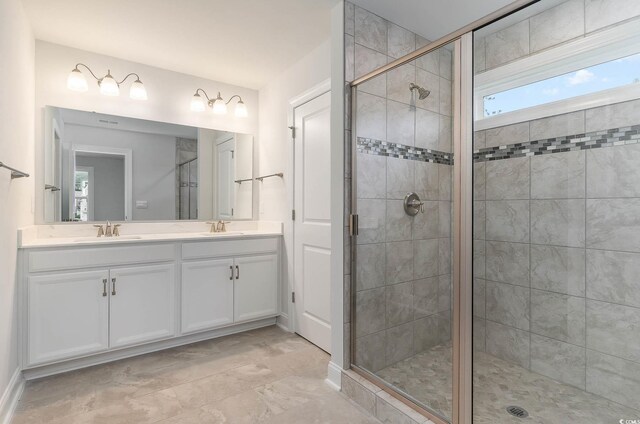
[599, 69]
[604, 76]
[82, 208]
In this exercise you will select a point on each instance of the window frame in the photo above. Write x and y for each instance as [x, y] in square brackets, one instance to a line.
[603, 46]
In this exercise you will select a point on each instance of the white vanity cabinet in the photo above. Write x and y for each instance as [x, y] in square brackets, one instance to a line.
[207, 294]
[68, 315]
[256, 287]
[86, 305]
[142, 306]
[77, 313]
[239, 288]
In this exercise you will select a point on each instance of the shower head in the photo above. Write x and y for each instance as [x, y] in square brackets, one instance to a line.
[423, 93]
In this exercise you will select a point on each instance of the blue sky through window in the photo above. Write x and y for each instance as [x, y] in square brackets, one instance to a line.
[615, 73]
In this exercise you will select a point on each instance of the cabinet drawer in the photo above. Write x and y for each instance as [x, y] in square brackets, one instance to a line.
[217, 248]
[54, 260]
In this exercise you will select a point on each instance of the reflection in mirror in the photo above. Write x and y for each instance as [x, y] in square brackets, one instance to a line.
[103, 167]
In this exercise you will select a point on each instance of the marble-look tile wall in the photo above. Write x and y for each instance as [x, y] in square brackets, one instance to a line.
[557, 236]
[569, 20]
[403, 284]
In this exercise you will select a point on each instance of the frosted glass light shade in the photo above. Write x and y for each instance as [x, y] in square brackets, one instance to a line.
[241, 110]
[76, 81]
[137, 91]
[198, 104]
[109, 86]
[219, 106]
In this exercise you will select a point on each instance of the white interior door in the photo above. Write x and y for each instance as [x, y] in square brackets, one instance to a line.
[312, 225]
[225, 179]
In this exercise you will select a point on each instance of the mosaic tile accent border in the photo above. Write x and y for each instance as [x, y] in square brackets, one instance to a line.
[592, 140]
[401, 151]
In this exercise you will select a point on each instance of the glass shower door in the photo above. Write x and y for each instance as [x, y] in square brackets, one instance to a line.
[402, 193]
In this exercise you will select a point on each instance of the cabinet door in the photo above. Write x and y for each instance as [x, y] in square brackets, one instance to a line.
[256, 287]
[207, 294]
[142, 304]
[68, 315]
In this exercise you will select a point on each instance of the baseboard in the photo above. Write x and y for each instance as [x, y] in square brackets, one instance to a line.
[334, 376]
[11, 396]
[283, 322]
[101, 358]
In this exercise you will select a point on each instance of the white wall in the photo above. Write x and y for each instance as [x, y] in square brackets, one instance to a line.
[274, 145]
[16, 149]
[169, 96]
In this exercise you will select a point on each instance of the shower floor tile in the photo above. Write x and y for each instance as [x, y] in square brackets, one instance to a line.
[498, 384]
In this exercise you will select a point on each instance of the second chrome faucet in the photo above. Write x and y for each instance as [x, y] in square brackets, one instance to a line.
[219, 226]
[108, 230]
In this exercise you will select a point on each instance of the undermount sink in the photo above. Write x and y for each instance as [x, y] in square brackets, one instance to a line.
[115, 238]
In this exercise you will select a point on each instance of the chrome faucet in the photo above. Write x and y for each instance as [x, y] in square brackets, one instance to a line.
[218, 227]
[100, 230]
[109, 230]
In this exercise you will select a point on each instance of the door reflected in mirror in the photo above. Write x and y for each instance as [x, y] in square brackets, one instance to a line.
[107, 167]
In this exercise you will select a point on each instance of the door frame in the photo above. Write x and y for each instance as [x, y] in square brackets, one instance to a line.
[92, 194]
[297, 101]
[112, 151]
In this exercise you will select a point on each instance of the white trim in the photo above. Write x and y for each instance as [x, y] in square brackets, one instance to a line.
[310, 94]
[334, 376]
[11, 396]
[603, 46]
[297, 101]
[128, 170]
[587, 101]
[74, 364]
[282, 321]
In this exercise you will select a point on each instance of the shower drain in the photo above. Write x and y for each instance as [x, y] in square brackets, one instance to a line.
[516, 411]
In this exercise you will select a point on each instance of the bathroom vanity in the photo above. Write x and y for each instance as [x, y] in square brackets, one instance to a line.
[86, 300]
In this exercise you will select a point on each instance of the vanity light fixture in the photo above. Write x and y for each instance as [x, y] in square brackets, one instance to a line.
[219, 106]
[108, 84]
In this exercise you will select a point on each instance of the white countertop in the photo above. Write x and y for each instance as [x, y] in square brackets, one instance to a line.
[75, 234]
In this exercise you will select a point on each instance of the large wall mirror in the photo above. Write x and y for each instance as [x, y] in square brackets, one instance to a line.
[102, 167]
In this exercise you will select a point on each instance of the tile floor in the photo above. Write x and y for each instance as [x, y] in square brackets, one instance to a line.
[498, 384]
[261, 376]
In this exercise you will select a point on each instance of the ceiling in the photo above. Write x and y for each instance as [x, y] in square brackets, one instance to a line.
[241, 42]
[432, 18]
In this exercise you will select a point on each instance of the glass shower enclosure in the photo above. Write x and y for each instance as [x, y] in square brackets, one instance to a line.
[403, 162]
[495, 179]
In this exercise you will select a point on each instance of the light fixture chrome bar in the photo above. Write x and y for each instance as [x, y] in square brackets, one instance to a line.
[88, 69]
[127, 76]
[278, 174]
[498, 14]
[14, 172]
